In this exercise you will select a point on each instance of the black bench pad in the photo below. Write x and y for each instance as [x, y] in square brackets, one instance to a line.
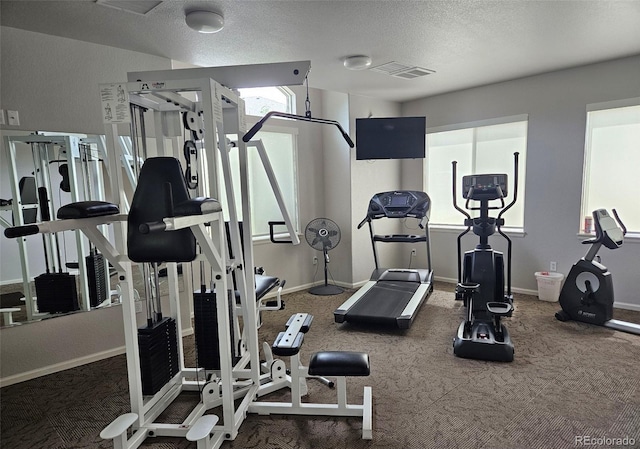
[339, 363]
[87, 209]
[197, 206]
[264, 284]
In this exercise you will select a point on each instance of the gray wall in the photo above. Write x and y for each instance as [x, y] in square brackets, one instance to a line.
[556, 104]
[53, 81]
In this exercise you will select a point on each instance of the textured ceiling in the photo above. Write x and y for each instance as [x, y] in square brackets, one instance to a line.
[467, 43]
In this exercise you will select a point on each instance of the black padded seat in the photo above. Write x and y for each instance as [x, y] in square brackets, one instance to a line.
[264, 284]
[339, 363]
[87, 209]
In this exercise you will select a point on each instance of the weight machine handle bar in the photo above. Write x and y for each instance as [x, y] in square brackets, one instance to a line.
[146, 228]
[272, 236]
[255, 128]
[21, 231]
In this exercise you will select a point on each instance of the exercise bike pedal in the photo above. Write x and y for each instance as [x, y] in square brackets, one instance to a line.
[499, 308]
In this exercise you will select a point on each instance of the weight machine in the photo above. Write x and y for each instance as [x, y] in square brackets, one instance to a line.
[235, 386]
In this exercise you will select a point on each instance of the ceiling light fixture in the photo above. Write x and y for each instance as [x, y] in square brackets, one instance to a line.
[358, 62]
[205, 21]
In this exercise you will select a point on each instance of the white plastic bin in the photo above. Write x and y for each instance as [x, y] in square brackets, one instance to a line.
[549, 285]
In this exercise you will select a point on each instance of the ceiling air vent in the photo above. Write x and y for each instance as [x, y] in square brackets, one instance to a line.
[141, 7]
[401, 70]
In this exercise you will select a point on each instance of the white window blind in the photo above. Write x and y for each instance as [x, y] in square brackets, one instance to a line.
[483, 147]
[281, 147]
[612, 158]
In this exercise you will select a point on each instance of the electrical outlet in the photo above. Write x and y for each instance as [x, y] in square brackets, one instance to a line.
[13, 118]
[553, 266]
[413, 251]
[315, 260]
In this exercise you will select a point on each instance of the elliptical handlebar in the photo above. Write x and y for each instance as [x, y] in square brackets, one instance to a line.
[454, 165]
[516, 156]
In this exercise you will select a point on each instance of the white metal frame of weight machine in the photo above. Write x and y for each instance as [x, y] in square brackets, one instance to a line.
[235, 387]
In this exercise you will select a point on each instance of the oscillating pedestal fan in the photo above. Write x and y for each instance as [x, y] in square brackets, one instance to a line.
[323, 235]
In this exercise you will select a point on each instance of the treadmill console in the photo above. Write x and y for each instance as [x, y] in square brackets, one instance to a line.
[484, 187]
[399, 204]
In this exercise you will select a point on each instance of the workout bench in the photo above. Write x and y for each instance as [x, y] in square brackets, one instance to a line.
[338, 364]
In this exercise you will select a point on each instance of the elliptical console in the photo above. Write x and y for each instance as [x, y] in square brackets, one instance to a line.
[481, 273]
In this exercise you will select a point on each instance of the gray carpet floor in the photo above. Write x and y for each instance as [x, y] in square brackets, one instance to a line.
[568, 382]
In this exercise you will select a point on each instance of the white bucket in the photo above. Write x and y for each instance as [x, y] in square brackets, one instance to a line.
[549, 285]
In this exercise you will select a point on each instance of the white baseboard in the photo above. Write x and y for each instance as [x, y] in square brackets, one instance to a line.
[626, 306]
[12, 281]
[50, 369]
[524, 291]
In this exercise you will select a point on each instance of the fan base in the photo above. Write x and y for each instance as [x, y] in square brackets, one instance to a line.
[326, 290]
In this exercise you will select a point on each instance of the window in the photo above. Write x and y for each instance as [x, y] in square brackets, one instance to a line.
[281, 146]
[260, 100]
[482, 147]
[612, 158]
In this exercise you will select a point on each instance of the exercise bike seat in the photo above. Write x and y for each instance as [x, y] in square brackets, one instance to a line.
[499, 308]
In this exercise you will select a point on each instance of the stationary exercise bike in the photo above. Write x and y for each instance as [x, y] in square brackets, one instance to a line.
[481, 281]
[587, 294]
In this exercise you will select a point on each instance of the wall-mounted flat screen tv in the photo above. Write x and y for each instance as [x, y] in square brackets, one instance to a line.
[391, 138]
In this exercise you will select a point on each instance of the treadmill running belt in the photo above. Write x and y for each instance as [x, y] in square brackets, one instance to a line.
[383, 303]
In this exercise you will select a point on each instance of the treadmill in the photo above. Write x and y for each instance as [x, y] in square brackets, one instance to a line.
[392, 297]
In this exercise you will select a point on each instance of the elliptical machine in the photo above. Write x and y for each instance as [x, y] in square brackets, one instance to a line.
[481, 281]
[587, 294]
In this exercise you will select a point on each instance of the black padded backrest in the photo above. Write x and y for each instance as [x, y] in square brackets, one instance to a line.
[150, 204]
